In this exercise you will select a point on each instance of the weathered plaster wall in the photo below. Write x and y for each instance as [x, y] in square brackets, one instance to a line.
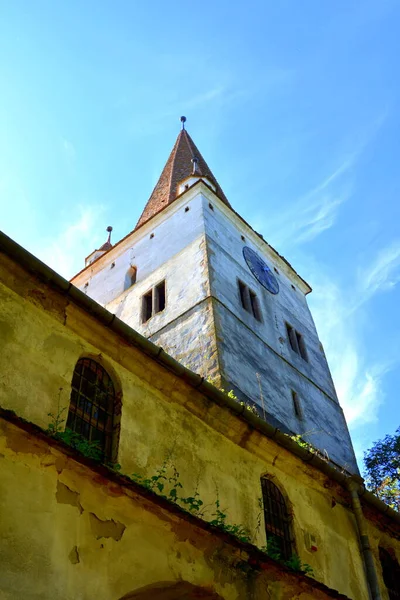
[186, 285]
[148, 249]
[247, 346]
[191, 339]
[69, 532]
[42, 338]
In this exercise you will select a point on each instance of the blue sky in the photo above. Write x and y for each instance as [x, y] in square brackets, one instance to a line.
[294, 105]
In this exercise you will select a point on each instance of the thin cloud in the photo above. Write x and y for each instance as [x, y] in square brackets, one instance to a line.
[358, 382]
[317, 210]
[66, 252]
[383, 273]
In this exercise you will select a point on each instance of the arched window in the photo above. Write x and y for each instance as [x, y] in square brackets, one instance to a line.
[93, 408]
[130, 277]
[277, 519]
[390, 572]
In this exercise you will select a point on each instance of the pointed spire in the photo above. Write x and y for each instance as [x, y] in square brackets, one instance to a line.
[184, 161]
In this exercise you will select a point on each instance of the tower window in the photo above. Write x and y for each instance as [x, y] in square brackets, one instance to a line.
[296, 405]
[390, 572]
[147, 306]
[296, 341]
[255, 307]
[153, 301]
[249, 300]
[159, 298]
[92, 409]
[277, 519]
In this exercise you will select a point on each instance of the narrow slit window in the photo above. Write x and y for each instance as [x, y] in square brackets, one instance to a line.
[249, 300]
[255, 307]
[296, 405]
[153, 301]
[292, 338]
[147, 306]
[159, 297]
[296, 341]
[242, 291]
[301, 345]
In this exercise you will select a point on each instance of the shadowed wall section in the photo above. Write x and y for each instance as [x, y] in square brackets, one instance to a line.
[172, 591]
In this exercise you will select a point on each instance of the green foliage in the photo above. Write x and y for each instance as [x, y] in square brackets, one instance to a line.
[239, 531]
[272, 549]
[57, 422]
[193, 503]
[382, 469]
[294, 563]
[250, 407]
[81, 444]
[231, 394]
[303, 444]
[157, 482]
[72, 438]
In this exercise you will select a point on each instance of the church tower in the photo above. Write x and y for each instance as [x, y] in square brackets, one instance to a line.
[196, 279]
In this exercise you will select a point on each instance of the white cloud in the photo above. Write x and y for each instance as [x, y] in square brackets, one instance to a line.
[339, 316]
[383, 273]
[357, 382]
[66, 252]
[313, 213]
[316, 211]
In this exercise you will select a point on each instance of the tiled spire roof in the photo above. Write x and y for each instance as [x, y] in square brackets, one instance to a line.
[178, 167]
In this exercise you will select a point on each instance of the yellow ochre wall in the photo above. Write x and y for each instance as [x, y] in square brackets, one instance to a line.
[54, 511]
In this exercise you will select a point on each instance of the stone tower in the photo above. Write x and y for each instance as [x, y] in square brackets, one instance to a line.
[196, 279]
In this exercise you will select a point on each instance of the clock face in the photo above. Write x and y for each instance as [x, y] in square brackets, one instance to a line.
[260, 270]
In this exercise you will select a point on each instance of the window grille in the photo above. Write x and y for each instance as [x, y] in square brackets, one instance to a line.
[277, 519]
[92, 404]
[390, 572]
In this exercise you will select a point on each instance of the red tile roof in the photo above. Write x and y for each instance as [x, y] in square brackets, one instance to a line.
[178, 167]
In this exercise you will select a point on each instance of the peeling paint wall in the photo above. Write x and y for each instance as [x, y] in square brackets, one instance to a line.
[67, 532]
[46, 508]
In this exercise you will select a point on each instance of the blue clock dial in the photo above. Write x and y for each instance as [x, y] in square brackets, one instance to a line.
[260, 270]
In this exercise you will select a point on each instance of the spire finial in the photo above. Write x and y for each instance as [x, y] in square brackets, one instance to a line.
[109, 229]
[183, 121]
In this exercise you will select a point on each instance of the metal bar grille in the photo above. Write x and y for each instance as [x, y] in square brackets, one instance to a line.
[277, 519]
[91, 409]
